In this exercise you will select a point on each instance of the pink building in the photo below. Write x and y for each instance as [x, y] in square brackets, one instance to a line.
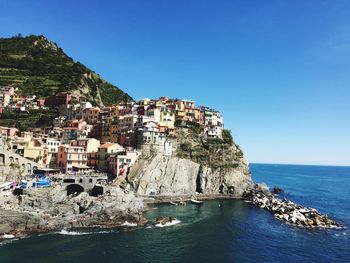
[119, 164]
[72, 158]
[41, 102]
[8, 131]
[79, 124]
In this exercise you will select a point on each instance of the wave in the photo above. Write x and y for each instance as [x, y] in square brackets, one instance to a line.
[78, 233]
[172, 223]
[129, 224]
[6, 236]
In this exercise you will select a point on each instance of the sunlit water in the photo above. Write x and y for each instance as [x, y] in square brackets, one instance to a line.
[217, 231]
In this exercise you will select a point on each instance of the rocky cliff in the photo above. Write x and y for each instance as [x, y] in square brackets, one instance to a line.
[42, 210]
[211, 167]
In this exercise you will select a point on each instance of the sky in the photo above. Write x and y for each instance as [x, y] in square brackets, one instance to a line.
[278, 70]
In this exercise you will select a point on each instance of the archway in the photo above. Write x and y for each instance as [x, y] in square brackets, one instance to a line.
[74, 189]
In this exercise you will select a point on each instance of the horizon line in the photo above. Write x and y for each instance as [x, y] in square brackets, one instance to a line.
[298, 164]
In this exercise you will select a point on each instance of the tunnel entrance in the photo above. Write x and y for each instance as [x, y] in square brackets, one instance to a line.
[74, 189]
[198, 182]
[96, 191]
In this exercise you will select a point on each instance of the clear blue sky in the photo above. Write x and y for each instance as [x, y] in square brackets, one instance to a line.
[278, 70]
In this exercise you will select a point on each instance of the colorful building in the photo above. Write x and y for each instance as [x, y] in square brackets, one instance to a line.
[104, 151]
[72, 158]
[119, 164]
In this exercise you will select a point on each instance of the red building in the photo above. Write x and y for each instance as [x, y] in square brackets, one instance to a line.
[62, 98]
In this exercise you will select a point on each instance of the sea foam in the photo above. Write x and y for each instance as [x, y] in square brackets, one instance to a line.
[172, 223]
[128, 224]
[76, 233]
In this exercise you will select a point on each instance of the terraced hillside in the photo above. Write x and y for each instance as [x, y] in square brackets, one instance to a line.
[38, 66]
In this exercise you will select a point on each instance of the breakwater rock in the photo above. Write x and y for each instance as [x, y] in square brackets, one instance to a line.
[43, 210]
[288, 211]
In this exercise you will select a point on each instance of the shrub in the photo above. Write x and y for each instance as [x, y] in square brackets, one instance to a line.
[195, 127]
[227, 136]
[186, 147]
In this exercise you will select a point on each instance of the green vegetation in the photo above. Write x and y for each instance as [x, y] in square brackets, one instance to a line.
[39, 67]
[186, 147]
[227, 136]
[215, 153]
[32, 118]
[193, 126]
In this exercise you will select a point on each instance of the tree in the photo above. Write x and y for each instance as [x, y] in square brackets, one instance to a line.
[8, 114]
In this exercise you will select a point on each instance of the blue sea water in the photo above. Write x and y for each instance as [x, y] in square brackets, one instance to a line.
[217, 231]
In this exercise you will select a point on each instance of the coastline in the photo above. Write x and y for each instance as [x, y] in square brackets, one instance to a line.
[118, 208]
[163, 199]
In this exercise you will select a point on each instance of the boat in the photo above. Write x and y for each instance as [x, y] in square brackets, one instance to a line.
[173, 203]
[196, 201]
[6, 186]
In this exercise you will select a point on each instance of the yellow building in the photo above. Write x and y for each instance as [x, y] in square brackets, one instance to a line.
[91, 115]
[104, 151]
[37, 151]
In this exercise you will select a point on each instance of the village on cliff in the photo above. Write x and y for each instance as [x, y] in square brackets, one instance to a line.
[85, 139]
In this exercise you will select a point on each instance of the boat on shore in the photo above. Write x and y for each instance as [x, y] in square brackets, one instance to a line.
[194, 201]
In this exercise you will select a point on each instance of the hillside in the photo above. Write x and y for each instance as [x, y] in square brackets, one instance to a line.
[35, 65]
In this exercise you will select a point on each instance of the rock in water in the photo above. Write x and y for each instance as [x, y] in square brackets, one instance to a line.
[164, 219]
[277, 190]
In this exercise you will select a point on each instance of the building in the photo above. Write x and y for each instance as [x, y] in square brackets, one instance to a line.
[89, 144]
[119, 164]
[10, 132]
[53, 145]
[213, 132]
[72, 158]
[91, 115]
[92, 160]
[167, 121]
[37, 151]
[149, 134]
[59, 122]
[62, 98]
[104, 151]
[70, 134]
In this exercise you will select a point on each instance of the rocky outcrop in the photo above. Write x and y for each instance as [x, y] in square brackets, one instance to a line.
[211, 167]
[42, 210]
[288, 211]
[233, 181]
[165, 175]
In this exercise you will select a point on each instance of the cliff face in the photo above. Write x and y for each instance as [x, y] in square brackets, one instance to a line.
[197, 167]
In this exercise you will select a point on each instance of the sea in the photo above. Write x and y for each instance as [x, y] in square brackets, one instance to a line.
[216, 231]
